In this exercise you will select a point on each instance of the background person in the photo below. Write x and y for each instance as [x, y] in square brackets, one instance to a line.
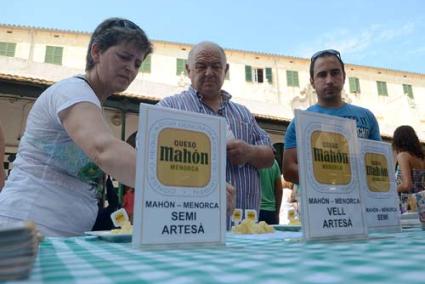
[410, 159]
[128, 202]
[103, 219]
[288, 201]
[2, 150]
[271, 194]
[128, 198]
[327, 76]
[251, 149]
[67, 142]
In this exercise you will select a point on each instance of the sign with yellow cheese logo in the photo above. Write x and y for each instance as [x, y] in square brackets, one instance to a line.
[376, 166]
[328, 154]
[331, 163]
[180, 193]
[379, 191]
[184, 158]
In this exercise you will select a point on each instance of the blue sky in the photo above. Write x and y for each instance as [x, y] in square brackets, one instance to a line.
[389, 34]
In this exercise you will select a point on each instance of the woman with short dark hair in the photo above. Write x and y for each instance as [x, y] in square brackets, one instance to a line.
[67, 143]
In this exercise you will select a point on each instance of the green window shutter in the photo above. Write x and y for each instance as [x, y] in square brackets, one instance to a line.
[292, 78]
[3, 48]
[269, 75]
[379, 86]
[181, 66]
[184, 66]
[54, 55]
[354, 85]
[248, 73]
[7, 48]
[146, 65]
[11, 49]
[382, 88]
[289, 78]
[357, 85]
[227, 77]
[296, 81]
[408, 91]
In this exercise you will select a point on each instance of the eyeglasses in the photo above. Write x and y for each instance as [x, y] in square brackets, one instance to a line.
[326, 52]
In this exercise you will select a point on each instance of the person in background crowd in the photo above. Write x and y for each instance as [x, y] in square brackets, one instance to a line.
[128, 199]
[250, 149]
[67, 143]
[128, 202]
[410, 159]
[2, 150]
[288, 200]
[327, 76]
[271, 194]
[103, 219]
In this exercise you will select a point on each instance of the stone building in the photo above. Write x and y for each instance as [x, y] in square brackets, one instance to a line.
[270, 85]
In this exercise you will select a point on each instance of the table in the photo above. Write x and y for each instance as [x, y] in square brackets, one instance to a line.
[383, 258]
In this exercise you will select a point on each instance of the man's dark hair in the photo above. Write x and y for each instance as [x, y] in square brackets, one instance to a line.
[323, 53]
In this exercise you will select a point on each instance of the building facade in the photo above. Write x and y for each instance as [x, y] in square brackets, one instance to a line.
[270, 85]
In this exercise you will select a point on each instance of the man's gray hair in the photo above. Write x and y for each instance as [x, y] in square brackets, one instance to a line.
[201, 45]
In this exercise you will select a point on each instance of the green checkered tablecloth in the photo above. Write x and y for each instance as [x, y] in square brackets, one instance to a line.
[383, 258]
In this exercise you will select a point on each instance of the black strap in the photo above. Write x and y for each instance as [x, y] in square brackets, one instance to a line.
[85, 80]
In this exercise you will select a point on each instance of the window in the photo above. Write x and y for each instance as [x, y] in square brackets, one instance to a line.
[354, 85]
[146, 65]
[248, 73]
[54, 55]
[408, 91]
[181, 67]
[269, 75]
[7, 48]
[382, 88]
[227, 77]
[292, 78]
[258, 74]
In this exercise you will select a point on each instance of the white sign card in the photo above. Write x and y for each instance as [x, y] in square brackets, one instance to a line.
[180, 194]
[327, 149]
[379, 191]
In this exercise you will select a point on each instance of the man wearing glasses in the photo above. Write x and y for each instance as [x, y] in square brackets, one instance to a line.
[327, 76]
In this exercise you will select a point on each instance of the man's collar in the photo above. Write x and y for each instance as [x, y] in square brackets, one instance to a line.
[225, 95]
[343, 104]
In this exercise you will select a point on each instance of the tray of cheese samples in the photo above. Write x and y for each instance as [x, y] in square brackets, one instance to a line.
[110, 236]
[287, 228]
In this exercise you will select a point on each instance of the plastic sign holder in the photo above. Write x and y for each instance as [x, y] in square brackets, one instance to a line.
[180, 194]
[328, 153]
[379, 191]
